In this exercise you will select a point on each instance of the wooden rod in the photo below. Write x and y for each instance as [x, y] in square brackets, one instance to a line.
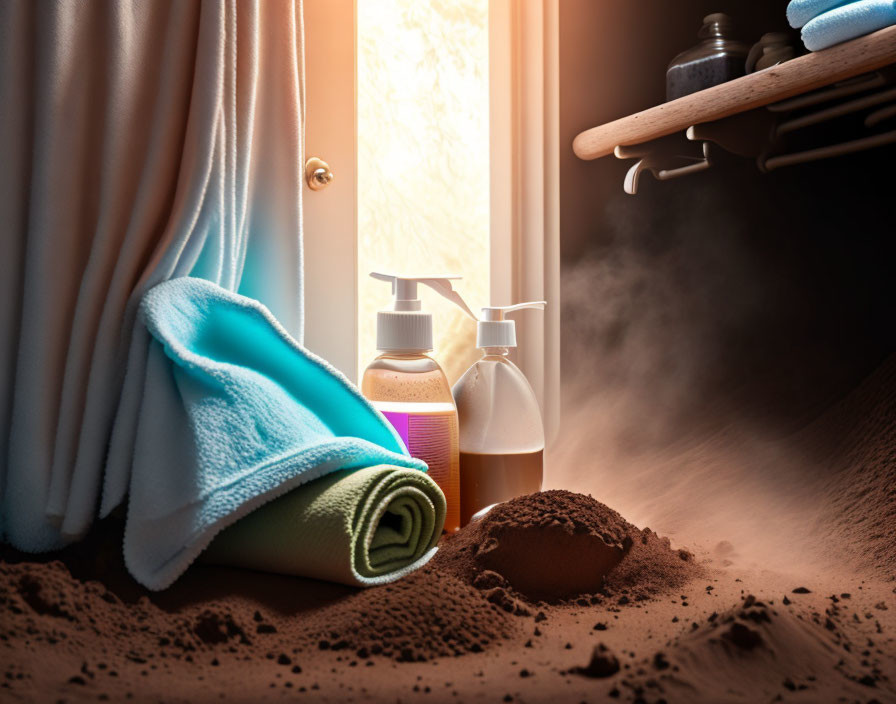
[799, 75]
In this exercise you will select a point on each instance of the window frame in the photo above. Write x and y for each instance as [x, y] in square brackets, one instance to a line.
[525, 185]
[524, 199]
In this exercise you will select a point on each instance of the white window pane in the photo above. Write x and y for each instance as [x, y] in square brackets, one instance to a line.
[423, 171]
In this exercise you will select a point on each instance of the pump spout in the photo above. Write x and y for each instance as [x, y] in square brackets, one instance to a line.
[442, 285]
[404, 289]
[494, 313]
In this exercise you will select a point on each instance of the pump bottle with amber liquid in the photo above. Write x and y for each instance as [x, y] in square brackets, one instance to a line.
[409, 387]
[501, 430]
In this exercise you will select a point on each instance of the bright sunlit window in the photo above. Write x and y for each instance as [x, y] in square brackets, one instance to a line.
[423, 167]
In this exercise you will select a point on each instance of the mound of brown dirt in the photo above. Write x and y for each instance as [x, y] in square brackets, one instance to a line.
[833, 654]
[557, 545]
[424, 616]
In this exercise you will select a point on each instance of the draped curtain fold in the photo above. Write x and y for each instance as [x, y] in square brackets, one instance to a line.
[139, 141]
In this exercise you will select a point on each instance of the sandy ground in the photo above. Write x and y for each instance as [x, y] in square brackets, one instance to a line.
[834, 643]
[792, 596]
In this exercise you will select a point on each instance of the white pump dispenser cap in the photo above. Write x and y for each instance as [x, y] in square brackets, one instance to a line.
[494, 331]
[405, 327]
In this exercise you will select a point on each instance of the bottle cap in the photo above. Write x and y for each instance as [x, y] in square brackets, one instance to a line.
[405, 327]
[494, 331]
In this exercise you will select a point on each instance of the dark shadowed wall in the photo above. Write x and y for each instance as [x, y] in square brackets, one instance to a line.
[729, 294]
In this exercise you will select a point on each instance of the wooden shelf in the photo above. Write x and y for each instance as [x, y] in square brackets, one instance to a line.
[794, 77]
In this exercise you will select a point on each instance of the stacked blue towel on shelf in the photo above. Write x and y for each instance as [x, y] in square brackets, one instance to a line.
[828, 22]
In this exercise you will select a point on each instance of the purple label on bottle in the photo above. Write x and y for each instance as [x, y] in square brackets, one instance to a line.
[399, 421]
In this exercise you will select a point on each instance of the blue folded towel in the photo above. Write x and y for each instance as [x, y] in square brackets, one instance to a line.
[801, 11]
[233, 414]
[848, 22]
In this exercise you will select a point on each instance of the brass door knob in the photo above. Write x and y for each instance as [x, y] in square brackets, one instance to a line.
[317, 174]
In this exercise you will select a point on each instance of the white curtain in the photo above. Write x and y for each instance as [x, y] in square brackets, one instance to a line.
[139, 141]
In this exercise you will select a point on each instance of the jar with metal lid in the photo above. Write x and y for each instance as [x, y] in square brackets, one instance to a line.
[716, 59]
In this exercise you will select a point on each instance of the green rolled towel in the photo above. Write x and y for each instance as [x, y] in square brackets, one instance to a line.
[360, 527]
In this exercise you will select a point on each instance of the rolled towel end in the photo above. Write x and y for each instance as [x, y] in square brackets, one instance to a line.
[359, 527]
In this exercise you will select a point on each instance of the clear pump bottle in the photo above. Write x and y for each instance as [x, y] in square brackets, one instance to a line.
[409, 387]
[501, 431]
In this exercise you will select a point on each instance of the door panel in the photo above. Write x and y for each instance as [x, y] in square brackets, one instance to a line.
[329, 215]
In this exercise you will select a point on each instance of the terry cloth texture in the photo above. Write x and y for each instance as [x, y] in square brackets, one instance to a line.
[801, 11]
[848, 22]
[234, 413]
[359, 527]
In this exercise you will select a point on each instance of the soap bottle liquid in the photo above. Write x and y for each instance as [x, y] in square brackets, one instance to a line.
[409, 387]
[412, 392]
[501, 431]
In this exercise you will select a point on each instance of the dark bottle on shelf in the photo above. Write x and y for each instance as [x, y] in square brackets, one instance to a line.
[716, 59]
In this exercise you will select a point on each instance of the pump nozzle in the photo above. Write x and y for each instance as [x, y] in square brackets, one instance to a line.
[494, 331]
[495, 313]
[404, 288]
[404, 326]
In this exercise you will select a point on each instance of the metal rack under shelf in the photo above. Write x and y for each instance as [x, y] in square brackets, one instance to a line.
[777, 83]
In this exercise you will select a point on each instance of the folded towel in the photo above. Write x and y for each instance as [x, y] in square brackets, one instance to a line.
[235, 413]
[848, 22]
[359, 527]
[801, 11]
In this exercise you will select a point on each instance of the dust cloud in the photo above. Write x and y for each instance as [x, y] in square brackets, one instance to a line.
[716, 355]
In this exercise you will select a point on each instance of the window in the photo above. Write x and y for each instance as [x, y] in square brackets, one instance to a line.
[423, 162]
[439, 121]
